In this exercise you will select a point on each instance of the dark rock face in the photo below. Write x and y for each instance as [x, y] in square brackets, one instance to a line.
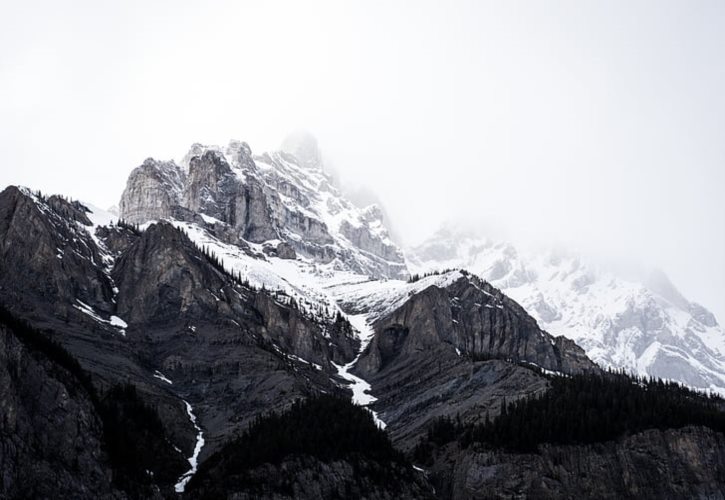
[234, 352]
[286, 251]
[215, 339]
[427, 358]
[440, 384]
[307, 478]
[41, 248]
[163, 280]
[191, 333]
[51, 443]
[676, 463]
[477, 319]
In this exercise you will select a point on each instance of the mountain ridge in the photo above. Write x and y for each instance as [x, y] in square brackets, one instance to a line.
[645, 327]
[233, 285]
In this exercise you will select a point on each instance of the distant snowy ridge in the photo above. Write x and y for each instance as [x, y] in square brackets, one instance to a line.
[644, 327]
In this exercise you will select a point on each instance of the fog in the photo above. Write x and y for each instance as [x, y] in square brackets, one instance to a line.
[595, 125]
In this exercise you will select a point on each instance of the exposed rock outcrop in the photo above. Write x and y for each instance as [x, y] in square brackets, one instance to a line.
[624, 319]
[451, 344]
[474, 318]
[52, 438]
[675, 463]
[283, 196]
[46, 250]
[153, 191]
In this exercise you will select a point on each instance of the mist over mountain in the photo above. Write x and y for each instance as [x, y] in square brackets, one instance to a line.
[457, 251]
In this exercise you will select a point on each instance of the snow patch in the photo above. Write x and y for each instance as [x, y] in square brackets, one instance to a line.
[210, 220]
[115, 321]
[161, 376]
[360, 388]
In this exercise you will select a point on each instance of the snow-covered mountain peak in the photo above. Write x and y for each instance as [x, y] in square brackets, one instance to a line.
[272, 197]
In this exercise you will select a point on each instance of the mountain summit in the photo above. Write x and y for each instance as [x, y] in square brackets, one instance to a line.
[282, 200]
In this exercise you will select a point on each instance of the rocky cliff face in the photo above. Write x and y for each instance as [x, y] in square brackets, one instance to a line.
[639, 323]
[153, 191]
[475, 319]
[151, 309]
[676, 463]
[267, 198]
[450, 344]
[45, 242]
[52, 438]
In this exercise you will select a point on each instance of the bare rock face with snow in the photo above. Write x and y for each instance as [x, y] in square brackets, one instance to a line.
[644, 326]
[450, 345]
[475, 319]
[282, 196]
[151, 309]
[152, 191]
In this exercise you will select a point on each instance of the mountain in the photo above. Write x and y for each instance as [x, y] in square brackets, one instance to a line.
[450, 344]
[152, 309]
[643, 326]
[291, 207]
[243, 330]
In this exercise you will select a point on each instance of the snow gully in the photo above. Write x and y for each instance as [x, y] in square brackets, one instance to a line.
[194, 459]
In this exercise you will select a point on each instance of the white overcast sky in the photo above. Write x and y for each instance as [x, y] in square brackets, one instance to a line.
[599, 125]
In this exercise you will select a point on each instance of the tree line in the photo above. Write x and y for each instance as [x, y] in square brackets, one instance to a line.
[325, 427]
[581, 409]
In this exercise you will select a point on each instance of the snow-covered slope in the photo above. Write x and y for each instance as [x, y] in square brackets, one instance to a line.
[646, 327]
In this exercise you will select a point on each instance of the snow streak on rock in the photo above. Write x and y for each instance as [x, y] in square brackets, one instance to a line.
[360, 388]
[194, 458]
